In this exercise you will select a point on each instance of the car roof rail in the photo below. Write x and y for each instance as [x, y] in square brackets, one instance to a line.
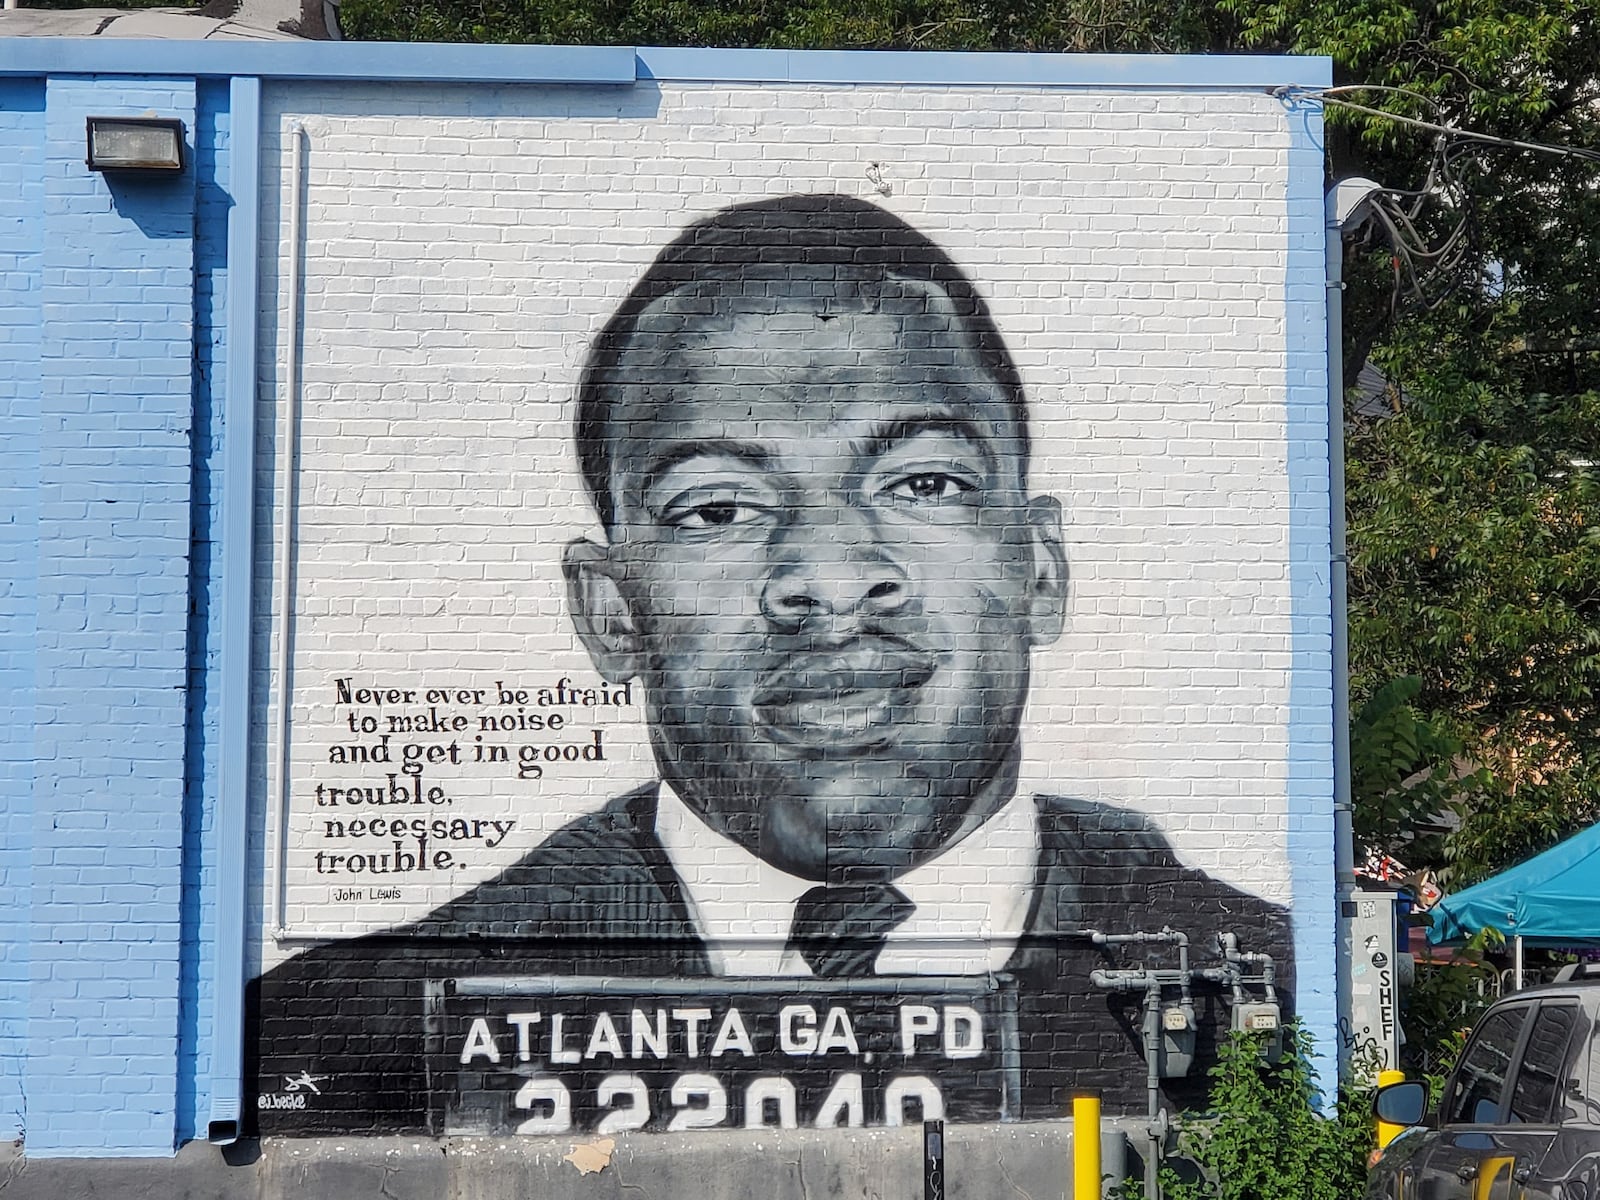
[1578, 970]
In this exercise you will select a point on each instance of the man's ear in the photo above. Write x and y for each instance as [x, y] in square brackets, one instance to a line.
[1048, 603]
[599, 611]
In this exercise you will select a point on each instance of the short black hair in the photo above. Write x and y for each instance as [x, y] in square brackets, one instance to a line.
[817, 233]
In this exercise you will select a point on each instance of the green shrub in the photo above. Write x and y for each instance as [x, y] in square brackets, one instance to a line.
[1263, 1137]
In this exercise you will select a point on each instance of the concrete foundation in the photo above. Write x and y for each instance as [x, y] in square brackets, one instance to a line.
[983, 1162]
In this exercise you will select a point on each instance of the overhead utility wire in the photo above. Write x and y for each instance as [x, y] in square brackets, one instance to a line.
[1326, 95]
[1417, 266]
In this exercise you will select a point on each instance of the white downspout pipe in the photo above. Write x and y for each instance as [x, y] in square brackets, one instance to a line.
[288, 491]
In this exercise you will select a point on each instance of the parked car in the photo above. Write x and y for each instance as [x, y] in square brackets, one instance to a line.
[1519, 1118]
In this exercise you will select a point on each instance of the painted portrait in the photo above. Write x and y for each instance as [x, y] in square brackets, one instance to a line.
[820, 573]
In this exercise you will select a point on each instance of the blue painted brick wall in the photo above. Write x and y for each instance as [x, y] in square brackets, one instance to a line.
[110, 665]
[1311, 773]
[21, 244]
[198, 982]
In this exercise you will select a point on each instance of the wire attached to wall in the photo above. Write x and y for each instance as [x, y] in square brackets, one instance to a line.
[1332, 95]
[1429, 268]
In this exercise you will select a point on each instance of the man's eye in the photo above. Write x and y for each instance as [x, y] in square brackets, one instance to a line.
[715, 514]
[929, 487]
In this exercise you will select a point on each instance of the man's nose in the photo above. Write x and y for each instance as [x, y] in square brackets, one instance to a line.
[829, 565]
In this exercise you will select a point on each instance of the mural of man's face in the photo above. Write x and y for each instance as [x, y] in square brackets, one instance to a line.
[824, 567]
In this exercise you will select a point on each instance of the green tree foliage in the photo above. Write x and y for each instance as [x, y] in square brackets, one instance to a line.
[1475, 567]
[1403, 772]
[1169, 26]
[1263, 1138]
[1473, 501]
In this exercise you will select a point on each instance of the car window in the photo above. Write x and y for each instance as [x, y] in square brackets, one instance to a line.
[1542, 1072]
[1582, 1102]
[1475, 1091]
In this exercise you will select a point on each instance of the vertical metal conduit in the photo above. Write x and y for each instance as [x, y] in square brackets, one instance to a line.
[288, 492]
[230, 929]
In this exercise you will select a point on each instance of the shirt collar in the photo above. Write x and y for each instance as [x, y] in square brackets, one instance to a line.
[972, 901]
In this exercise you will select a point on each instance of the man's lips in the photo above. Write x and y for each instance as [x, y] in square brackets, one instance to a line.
[841, 701]
[831, 675]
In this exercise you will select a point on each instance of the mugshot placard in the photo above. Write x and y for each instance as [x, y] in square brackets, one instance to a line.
[558, 1056]
[723, 557]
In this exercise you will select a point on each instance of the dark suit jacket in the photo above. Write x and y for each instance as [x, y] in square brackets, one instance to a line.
[599, 897]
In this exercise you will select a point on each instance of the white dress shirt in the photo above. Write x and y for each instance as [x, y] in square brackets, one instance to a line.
[971, 901]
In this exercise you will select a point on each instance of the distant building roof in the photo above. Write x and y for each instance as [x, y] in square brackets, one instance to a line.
[224, 20]
[1374, 394]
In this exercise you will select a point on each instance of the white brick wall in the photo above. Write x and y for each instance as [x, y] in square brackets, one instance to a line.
[461, 249]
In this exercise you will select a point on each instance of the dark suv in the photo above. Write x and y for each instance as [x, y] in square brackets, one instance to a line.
[1520, 1117]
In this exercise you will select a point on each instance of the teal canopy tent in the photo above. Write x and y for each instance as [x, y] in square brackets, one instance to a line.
[1552, 899]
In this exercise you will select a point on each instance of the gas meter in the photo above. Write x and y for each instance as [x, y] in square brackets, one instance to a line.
[1263, 1019]
[1177, 1040]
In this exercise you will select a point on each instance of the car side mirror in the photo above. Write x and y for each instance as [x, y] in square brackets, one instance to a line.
[1402, 1103]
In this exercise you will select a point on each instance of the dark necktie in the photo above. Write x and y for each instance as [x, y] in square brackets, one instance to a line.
[840, 930]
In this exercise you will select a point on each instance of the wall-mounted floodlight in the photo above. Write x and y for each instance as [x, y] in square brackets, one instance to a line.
[150, 144]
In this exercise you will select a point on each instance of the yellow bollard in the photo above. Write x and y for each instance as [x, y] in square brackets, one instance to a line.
[1388, 1130]
[1086, 1146]
[1489, 1172]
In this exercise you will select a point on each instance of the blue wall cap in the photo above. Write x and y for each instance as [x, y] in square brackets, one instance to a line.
[459, 63]
[1233, 72]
